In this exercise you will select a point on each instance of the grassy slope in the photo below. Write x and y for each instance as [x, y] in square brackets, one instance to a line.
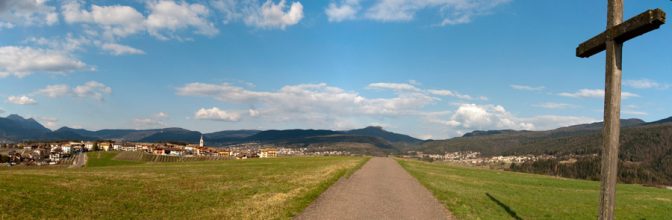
[103, 159]
[472, 193]
[247, 189]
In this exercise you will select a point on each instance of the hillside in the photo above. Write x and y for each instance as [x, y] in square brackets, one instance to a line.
[645, 153]
[375, 131]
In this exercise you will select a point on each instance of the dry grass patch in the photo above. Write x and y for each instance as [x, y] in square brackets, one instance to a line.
[239, 189]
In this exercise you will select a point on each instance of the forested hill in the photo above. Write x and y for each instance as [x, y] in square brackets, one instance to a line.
[645, 153]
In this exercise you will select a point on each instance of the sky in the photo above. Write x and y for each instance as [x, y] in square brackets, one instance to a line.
[432, 69]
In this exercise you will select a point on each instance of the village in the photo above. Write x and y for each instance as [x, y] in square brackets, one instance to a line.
[64, 152]
[475, 158]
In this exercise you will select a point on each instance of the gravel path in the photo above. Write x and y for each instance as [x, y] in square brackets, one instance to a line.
[381, 189]
[80, 161]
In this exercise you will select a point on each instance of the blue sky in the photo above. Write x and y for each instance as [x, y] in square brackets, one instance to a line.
[431, 69]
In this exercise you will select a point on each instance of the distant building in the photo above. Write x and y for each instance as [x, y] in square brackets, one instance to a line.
[268, 152]
[201, 143]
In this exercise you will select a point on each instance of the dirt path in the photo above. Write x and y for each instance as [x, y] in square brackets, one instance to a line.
[381, 189]
[80, 161]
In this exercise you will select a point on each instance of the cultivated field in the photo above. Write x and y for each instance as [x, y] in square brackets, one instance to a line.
[232, 189]
[472, 193]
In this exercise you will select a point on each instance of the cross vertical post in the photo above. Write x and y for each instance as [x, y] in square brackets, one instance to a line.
[611, 40]
[612, 114]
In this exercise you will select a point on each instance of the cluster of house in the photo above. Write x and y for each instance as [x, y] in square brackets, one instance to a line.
[475, 158]
[63, 152]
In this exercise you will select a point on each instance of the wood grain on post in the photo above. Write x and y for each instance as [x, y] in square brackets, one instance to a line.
[612, 113]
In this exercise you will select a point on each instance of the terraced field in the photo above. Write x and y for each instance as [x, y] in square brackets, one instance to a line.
[473, 193]
[229, 189]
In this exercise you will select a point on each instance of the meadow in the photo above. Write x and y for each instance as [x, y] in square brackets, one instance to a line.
[476, 193]
[277, 188]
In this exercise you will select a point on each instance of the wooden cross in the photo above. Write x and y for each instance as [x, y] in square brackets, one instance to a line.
[612, 41]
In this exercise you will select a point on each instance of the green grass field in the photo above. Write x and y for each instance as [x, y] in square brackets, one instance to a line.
[474, 193]
[103, 159]
[232, 189]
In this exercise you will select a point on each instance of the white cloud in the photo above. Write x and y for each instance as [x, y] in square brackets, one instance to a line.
[443, 92]
[314, 102]
[253, 112]
[594, 93]
[527, 88]
[21, 100]
[2, 111]
[216, 114]
[452, 11]
[53, 91]
[645, 84]
[167, 17]
[26, 13]
[118, 49]
[23, 61]
[92, 89]
[394, 86]
[345, 10]
[274, 15]
[470, 117]
[554, 105]
[229, 9]
[115, 21]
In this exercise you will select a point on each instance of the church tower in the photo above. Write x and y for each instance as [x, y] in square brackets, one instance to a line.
[202, 142]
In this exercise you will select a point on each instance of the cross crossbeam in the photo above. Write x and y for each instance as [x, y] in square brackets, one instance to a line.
[638, 25]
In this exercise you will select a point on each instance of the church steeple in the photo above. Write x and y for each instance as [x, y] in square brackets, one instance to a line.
[202, 143]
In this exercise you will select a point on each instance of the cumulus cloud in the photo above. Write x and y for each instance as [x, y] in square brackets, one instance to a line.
[645, 84]
[594, 93]
[167, 17]
[53, 91]
[393, 86]
[118, 49]
[216, 114]
[21, 100]
[443, 92]
[470, 117]
[26, 13]
[452, 12]
[274, 15]
[23, 61]
[115, 21]
[344, 10]
[92, 89]
[527, 88]
[164, 19]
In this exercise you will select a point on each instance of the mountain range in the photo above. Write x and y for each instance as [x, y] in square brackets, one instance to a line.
[15, 128]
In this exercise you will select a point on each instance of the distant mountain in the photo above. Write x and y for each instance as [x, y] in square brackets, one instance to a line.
[490, 132]
[174, 134]
[294, 134]
[667, 120]
[15, 127]
[231, 134]
[375, 131]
